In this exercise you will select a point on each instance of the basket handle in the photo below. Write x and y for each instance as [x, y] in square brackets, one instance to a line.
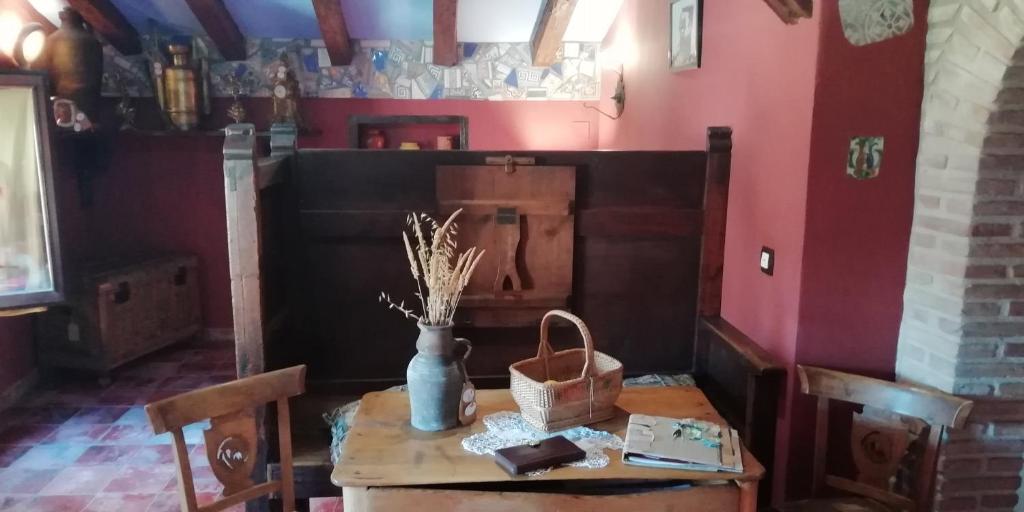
[544, 350]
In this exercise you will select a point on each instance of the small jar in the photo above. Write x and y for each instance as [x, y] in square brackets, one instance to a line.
[375, 139]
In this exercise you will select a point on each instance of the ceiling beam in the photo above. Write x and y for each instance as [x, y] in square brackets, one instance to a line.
[790, 11]
[446, 40]
[334, 31]
[110, 23]
[220, 26]
[27, 14]
[547, 38]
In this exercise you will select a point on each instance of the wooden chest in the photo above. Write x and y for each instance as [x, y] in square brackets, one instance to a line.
[120, 311]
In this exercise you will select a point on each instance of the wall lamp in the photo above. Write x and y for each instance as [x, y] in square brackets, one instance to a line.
[619, 97]
[21, 42]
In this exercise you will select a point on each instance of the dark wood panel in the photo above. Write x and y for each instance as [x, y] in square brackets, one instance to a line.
[636, 266]
[623, 222]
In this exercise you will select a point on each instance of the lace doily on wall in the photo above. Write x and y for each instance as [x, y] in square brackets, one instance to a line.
[871, 21]
[506, 429]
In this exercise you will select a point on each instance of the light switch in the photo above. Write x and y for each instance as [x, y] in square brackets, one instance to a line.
[767, 260]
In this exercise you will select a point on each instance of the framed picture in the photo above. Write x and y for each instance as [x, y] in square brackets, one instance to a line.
[685, 18]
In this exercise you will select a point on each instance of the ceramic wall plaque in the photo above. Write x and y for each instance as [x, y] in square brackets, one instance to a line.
[872, 21]
[865, 157]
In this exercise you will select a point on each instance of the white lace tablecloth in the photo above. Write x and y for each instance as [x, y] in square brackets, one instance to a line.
[506, 429]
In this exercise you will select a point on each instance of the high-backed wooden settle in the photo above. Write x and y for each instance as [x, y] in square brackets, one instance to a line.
[314, 237]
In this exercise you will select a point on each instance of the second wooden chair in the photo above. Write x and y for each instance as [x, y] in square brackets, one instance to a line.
[232, 441]
[894, 441]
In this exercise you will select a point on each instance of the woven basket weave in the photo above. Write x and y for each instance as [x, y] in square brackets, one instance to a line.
[586, 382]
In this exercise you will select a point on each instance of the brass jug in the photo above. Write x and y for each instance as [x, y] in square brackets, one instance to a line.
[181, 88]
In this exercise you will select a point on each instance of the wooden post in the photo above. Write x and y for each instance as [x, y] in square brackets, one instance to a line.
[242, 203]
[716, 200]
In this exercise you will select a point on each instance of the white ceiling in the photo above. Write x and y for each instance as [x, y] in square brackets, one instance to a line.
[505, 21]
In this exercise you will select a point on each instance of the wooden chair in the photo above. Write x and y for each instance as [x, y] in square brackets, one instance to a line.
[894, 441]
[232, 441]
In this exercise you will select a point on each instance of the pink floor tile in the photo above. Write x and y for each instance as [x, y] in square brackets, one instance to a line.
[10, 453]
[165, 502]
[25, 481]
[325, 505]
[113, 454]
[77, 433]
[134, 416]
[141, 479]
[58, 503]
[120, 503]
[50, 414]
[44, 456]
[80, 480]
[97, 415]
[128, 434]
[198, 457]
[205, 498]
[14, 502]
[199, 484]
[25, 434]
[150, 455]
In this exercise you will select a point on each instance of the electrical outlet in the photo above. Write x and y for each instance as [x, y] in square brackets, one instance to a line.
[767, 260]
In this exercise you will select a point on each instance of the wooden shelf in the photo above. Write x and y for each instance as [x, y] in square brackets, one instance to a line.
[174, 133]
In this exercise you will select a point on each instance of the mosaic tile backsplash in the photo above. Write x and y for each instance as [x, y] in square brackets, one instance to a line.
[387, 69]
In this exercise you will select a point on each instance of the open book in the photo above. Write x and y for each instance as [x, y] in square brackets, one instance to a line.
[657, 441]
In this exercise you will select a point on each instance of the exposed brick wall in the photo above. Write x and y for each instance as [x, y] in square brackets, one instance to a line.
[963, 319]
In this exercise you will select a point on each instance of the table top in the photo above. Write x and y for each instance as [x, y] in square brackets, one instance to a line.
[383, 449]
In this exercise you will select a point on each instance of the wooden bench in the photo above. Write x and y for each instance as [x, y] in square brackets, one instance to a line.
[313, 239]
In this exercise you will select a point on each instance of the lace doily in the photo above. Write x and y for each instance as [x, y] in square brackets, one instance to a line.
[506, 429]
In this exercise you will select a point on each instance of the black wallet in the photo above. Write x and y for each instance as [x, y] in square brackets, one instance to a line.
[544, 454]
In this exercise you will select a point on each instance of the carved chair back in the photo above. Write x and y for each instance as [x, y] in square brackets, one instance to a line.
[899, 423]
[232, 441]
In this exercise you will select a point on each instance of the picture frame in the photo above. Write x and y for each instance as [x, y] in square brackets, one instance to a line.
[686, 19]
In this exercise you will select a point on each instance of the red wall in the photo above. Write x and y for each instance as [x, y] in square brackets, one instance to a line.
[857, 232]
[16, 358]
[757, 77]
[794, 96]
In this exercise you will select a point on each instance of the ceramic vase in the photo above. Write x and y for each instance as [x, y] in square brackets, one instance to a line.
[435, 379]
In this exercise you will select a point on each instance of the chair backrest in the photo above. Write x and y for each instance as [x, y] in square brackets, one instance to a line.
[231, 441]
[881, 434]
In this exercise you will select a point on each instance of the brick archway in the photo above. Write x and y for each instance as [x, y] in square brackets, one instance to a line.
[963, 318]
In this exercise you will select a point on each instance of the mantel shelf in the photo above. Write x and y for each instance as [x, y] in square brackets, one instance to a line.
[177, 133]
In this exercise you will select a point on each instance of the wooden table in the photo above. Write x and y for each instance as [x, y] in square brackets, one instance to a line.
[388, 465]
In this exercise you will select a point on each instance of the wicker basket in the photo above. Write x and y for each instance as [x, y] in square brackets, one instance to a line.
[586, 382]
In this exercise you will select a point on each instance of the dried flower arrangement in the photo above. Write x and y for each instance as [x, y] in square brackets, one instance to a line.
[431, 266]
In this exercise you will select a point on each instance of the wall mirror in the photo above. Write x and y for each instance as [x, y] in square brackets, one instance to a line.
[30, 270]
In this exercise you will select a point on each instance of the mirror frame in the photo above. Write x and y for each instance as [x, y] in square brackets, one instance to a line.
[37, 81]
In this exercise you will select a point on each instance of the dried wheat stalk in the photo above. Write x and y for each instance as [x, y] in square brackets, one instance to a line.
[431, 267]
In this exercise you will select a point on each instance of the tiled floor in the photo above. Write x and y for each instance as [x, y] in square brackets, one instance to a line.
[75, 446]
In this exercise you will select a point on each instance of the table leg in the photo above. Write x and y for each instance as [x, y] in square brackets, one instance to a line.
[748, 496]
[355, 499]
